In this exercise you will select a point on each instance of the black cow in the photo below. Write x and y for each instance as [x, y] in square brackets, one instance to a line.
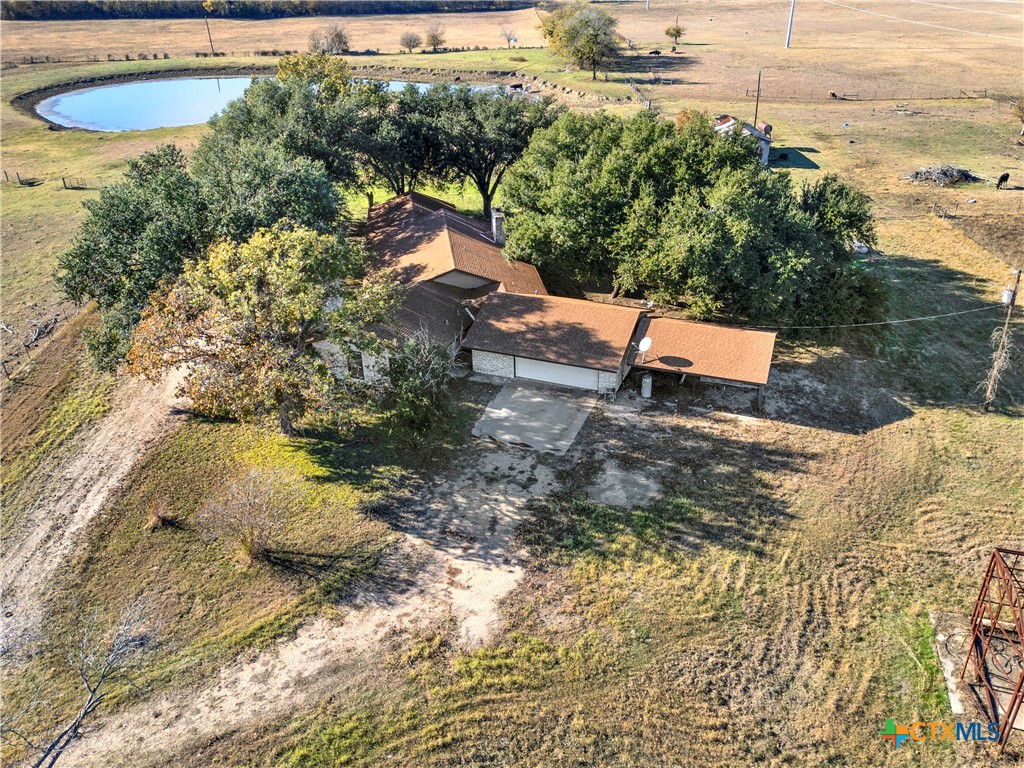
[1002, 181]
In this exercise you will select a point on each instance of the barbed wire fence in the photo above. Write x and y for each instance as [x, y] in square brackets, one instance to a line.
[22, 179]
[20, 341]
[870, 94]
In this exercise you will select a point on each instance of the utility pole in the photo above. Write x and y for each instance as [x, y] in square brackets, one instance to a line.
[789, 31]
[1002, 353]
[757, 101]
[207, 20]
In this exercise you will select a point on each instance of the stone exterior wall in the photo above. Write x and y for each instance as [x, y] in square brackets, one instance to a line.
[493, 364]
[607, 379]
[375, 367]
[334, 356]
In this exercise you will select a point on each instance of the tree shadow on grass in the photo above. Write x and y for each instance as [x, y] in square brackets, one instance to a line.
[644, 64]
[376, 455]
[362, 576]
[714, 492]
[876, 376]
[940, 361]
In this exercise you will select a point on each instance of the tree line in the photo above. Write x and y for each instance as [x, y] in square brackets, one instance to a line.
[55, 10]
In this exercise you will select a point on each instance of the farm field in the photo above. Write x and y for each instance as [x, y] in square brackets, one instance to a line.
[762, 596]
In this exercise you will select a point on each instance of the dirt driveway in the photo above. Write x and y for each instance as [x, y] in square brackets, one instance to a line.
[76, 490]
[457, 562]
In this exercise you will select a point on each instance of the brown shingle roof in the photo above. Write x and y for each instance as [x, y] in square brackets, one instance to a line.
[569, 331]
[426, 308]
[423, 238]
[704, 349]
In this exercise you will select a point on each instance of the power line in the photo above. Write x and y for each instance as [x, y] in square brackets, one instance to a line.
[924, 23]
[969, 10]
[864, 325]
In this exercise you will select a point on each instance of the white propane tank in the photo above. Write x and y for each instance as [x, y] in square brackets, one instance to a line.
[646, 383]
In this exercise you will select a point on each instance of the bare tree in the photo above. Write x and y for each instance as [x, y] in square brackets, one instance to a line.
[252, 513]
[337, 39]
[334, 41]
[100, 653]
[1018, 112]
[317, 41]
[435, 36]
[410, 40]
[509, 35]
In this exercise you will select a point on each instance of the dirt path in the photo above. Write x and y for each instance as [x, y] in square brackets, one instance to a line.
[460, 548]
[74, 491]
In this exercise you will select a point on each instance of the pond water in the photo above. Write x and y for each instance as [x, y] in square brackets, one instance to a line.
[147, 104]
[140, 106]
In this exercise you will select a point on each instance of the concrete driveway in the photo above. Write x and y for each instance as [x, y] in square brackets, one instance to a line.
[536, 417]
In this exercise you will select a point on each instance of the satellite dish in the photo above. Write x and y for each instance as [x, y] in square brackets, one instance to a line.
[645, 344]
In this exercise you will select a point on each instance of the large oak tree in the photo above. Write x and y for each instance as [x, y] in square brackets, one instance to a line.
[686, 216]
[135, 234]
[484, 132]
[583, 34]
[244, 318]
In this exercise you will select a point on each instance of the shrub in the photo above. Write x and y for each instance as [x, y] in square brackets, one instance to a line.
[420, 380]
[251, 514]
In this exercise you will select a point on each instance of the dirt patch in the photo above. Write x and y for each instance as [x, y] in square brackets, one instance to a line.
[75, 490]
[617, 486]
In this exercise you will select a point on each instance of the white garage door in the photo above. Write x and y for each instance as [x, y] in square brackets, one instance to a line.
[555, 373]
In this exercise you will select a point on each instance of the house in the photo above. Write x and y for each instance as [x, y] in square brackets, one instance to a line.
[460, 292]
[444, 261]
[590, 345]
[763, 133]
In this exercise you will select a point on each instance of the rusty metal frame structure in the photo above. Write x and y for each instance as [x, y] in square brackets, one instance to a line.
[996, 651]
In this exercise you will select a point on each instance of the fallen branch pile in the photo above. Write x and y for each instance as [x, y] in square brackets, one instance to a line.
[942, 175]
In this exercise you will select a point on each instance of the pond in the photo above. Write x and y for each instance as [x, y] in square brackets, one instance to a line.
[142, 105]
[148, 104]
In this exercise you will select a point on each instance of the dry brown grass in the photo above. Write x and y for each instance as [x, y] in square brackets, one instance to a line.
[834, 48]
[183, 37]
